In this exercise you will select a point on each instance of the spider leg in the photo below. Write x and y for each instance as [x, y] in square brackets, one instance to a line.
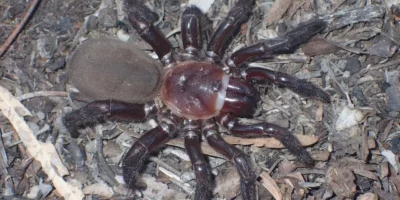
[200, 166]
[97, 111]
[299, 86]
[148, 142]
[192, 24]
[236, 16]
[286, 43]
[266, 129]
[243, 165]
[137, 16]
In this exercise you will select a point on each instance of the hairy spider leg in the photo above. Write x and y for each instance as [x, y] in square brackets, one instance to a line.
[299, 86]
[98, 111]
[287, 43]
[241, 101]
[243, 165]
[284, 44]
[147, 143]
[236, 16]
[153, 36]
[265, 129]
[200, 166]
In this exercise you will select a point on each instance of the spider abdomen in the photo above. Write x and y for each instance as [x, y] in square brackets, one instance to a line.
[111, 69]
[194, 90]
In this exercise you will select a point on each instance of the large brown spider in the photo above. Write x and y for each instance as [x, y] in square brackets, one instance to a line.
[197, 91]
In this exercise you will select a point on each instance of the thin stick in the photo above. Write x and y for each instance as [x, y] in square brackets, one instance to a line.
[18, 29]
[42, 94]
[165, 165]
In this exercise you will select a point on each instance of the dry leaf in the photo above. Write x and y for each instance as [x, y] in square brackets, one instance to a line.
[286, 167]
[271, 143]
[296, 175]
[348, 117]
[391, 157]
[277, 11]
[270, 185]
[319, 46]
[227, 183]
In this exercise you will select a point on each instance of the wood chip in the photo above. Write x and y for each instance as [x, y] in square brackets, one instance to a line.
[320, 155]
[341, 181]
[368, 196]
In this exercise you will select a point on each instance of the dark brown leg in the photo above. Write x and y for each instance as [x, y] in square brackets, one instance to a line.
[98, 111]
[236, 16]
[241, 98]
[243, 165]
[270, 130]
[149, 142]
[136, 15]
[191, 26]
[200, 166]
[300, 86]
[287, 43]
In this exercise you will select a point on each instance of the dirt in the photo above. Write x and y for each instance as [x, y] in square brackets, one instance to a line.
[355, 60]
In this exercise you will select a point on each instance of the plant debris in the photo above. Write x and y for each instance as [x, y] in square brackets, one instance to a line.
[354, 140]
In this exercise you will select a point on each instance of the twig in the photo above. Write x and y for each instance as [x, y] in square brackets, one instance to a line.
[388, 64]
[103, 163]
[175, 179]
[45, 128]
[165, 165]
[296, 9]
[42, 94]
[173, 32]
[311, 171]
[338, 5]
[18, 29]
[8, 185]
[162, 13]
[45, 153]
[272, 168]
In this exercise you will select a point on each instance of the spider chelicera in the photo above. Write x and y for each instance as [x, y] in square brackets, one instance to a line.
[195, 92]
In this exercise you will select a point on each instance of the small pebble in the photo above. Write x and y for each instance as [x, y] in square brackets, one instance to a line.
[56, 64]
[108, 18]
[353, 65]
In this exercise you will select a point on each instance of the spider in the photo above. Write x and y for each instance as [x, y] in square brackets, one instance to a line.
[195, 92]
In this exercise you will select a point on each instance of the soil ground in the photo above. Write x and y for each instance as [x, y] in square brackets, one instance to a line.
[355, 139]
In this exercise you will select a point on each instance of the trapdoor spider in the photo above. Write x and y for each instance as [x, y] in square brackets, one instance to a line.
[198, 91]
